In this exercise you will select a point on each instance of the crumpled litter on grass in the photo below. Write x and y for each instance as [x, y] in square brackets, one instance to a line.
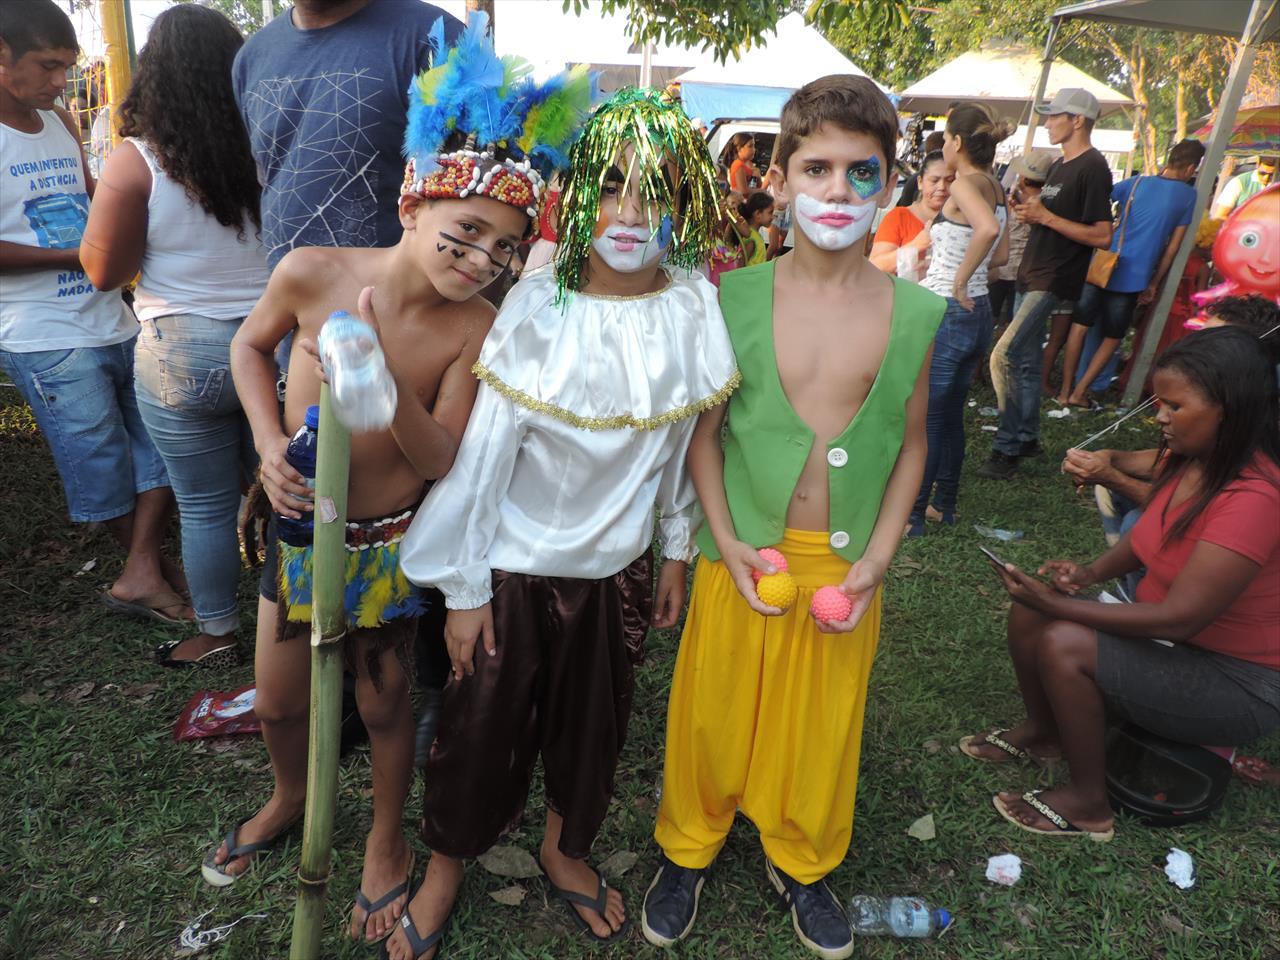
[1004, 869]
[1180, 869]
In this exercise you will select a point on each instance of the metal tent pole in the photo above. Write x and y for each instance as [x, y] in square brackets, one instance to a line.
[1227, 104]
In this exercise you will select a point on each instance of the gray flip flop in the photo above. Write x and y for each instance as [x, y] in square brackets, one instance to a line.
[215, 874]
[401, 890]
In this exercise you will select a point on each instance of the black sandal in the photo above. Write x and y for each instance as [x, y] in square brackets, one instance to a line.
[417, 943]
[570, 897]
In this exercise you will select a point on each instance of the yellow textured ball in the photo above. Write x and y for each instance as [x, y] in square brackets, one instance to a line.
[777, 590]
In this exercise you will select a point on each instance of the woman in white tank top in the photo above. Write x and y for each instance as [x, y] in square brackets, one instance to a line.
[179, 204]
[969, 237]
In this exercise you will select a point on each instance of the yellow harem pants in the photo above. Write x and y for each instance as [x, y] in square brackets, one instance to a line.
[765, 716]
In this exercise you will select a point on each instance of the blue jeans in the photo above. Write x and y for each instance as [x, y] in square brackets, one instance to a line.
[83, 399]
[1015, 370]
[189, 405]
[1119, 515]
[962, 341]
[1092, 340]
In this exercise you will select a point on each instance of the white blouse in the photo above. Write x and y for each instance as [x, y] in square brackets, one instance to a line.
[580, 427]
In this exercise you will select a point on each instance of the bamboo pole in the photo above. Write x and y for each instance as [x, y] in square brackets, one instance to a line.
[115, 35]
[328, 627]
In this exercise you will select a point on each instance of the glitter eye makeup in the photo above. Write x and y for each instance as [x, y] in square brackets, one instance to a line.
[460, 245]
[864, 176]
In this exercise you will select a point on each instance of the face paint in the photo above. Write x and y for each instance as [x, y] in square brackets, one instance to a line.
[460, 247]
[864, 177]
[630, 249]
[833, 226]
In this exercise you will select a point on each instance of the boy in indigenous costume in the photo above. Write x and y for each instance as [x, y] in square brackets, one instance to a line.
[464, 210]
[821, 460]
[540, 536]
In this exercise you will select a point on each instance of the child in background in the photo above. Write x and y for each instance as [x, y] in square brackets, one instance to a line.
[822, 458]
[757, 213]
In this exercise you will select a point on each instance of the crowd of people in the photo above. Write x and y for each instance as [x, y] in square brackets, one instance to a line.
[500, 532]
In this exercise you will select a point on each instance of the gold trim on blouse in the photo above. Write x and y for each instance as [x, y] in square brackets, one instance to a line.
[617, 422]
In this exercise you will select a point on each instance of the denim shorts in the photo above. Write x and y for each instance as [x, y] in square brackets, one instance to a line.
[1186, 693]
[1114, 309]
[84, 403]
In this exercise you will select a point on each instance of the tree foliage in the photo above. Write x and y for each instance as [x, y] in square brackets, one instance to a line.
[728, 28]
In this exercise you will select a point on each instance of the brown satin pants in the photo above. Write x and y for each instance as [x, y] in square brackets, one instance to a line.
[561, 686]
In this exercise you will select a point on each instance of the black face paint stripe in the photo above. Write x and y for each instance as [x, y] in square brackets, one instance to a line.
[475, 246]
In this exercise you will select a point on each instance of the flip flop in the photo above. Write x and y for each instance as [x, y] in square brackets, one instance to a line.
[215, 874]
[596, 904]
[417, 942]
[400, 890]
[968, 746]
[1062, 827]
[150, 607]
[219, 658]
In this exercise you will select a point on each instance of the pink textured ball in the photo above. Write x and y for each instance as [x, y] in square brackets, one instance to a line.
[830, 605]
[773, 556]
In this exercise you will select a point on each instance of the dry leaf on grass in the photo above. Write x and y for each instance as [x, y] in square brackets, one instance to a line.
[79, 692]
[30, 698]
[923, 829]
[932, 746]
[509, 896]
[509, 862]
[618, 864]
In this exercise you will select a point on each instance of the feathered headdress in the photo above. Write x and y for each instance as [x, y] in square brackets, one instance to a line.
[479, 125]
[661, 135]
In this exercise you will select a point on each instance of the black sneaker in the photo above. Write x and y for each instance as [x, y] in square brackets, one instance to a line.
[820, 921]
[1029, 448]
[1001, 466]
[671, 903]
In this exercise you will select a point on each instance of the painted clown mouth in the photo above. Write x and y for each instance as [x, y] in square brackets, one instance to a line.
[1260, 274]
[626, 241]
[834, 220]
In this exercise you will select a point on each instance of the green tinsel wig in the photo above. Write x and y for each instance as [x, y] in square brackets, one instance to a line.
[661, 134]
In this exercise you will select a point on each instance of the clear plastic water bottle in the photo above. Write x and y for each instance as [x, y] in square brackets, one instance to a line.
[364, 393]
[896, 917]
[301, 455]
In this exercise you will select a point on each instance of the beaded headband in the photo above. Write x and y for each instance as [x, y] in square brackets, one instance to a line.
[468, 173]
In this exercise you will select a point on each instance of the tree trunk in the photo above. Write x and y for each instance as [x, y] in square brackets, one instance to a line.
[328, 627]
[1180, 107]
[481, 6]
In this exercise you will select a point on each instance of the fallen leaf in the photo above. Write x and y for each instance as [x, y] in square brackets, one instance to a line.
[618, 864]
[510, 896]
[509, 862]
[226, 745]
[923, 829]
[142, 691]
[30, 698]
[932, 746]
[87, 567]
[79, 692]
[119, 927]
[1174, 925]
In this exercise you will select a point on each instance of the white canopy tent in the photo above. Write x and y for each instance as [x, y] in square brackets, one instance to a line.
[1254, 22]
[758, 84]
[1000, 75]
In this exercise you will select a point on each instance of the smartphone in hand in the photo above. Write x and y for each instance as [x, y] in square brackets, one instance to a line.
[992, 556]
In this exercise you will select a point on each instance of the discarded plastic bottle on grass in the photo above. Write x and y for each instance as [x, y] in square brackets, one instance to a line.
[301, 455]
[896, 917]
[363, 391]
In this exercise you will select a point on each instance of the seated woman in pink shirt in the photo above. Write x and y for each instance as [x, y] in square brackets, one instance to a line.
[1197, 657]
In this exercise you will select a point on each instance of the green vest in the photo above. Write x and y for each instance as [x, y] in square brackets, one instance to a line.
[766, 444]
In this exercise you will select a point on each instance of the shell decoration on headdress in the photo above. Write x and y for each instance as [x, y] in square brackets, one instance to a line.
[670, 163]
[479, 125]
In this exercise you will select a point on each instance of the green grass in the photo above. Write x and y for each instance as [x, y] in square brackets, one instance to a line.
[106, 818]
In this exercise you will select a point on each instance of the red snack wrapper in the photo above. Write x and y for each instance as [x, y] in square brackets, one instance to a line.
[212, 714]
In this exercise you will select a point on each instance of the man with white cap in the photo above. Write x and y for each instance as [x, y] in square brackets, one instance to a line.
[1069, 219]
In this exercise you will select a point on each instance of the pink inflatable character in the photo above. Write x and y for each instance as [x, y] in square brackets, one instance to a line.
[1247, 250]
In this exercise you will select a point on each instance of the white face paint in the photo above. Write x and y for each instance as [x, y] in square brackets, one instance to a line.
[833, 226]
[628, 249]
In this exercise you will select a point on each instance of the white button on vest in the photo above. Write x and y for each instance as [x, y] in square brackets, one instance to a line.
[837, 457]
[839, 540]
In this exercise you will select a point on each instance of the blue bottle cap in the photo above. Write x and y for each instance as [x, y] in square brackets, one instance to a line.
[339, 315]
[943, 917]
[312, 418]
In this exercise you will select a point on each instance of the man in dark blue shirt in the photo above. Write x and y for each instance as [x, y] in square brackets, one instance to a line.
[323, 89]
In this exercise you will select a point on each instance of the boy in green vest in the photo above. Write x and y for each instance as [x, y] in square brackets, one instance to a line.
[821, 460]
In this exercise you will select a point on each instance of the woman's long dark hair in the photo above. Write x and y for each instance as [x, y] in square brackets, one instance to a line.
[181, 104]
[1233, 372]
[736, 143]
